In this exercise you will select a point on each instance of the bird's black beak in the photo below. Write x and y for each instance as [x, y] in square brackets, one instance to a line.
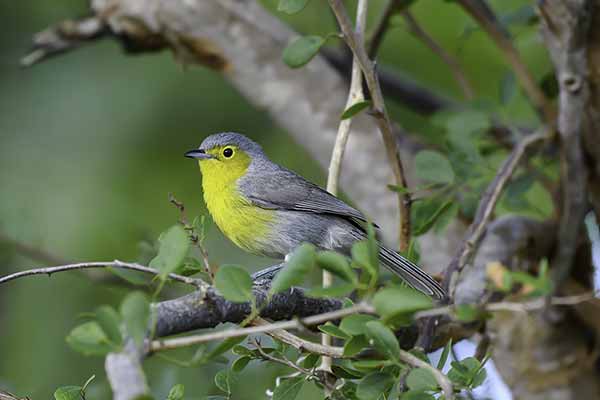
[198, 154]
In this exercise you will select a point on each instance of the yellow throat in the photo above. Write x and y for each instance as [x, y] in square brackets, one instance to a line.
[241, 221]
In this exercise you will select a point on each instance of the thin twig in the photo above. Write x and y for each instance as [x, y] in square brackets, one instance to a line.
[382, 27]
[193, 235]
[485, 17]
[355, 95]
[198, 283]
[185, 341]
[440, 378]
[325, 350]
[458, 72]
[379, 111]
[486, 208]
[519, 306]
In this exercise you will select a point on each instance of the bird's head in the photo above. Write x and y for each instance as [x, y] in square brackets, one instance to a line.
[226, 154]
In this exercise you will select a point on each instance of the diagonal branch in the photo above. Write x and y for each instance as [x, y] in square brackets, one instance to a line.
[382, 118]
[455, 67]
[481, 12]
[485, 210]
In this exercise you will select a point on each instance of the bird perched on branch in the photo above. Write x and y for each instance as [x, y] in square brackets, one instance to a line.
[269, 210]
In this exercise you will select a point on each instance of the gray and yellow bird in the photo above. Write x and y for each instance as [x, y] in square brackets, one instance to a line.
[269, 210]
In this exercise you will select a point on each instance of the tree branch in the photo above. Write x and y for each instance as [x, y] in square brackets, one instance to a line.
[565, 27]
[198, 283]
[355, 95]
[455, 67]
[263, 327]
[485, 209]
[480, 11]
[381, 116]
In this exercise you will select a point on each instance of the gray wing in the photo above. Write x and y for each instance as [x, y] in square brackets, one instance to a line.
[282, 189]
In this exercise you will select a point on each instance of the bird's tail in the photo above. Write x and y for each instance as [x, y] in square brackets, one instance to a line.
[411, 273]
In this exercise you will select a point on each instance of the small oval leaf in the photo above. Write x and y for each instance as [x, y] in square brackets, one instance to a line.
[234, 283]
[302, 50]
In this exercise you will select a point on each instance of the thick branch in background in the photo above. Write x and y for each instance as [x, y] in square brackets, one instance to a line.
[565, 26]
[205, 309]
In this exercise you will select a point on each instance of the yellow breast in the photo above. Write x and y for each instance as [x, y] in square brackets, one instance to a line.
[243, 223]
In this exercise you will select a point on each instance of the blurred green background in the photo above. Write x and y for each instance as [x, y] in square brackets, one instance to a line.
[91, 143]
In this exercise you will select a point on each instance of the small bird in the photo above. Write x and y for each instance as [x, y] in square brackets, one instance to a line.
[269, 210]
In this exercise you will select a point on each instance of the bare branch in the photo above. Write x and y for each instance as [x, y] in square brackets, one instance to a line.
[381, 116]
[514, 306]
[193, 235]
[455, 67]
[485, 210]
[186, 341]
[355, 95]
[67, 35]
[565, 26]
[198, 283]
[483, 14]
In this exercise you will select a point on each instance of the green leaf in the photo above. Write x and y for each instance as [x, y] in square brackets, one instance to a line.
[362, 257]
[239, 364]
[337, 264]
[345, 372]
[302, 50]
[288, 389]
[300, 263]
[432, 166]
[176, 392]
[444, 356]
[393, 301]
[356, 324]
[417, 395]
[135, 310]
[241, 350]
[291, 6]
[110, 321]
[174, 246]
[479, 378]
[89, 339]
[355, 109]
[222, 381]
[384, 340]
[426, 225]
[374, 386]
[446, 217]
[471, 121]
[222, 347]
[234, 283]
[310, 361]
[331, 291]
[508, 87]
[369, 365]
[467, 372]
[355, 345]
[333, 330]
[421, 379]
[68, 393]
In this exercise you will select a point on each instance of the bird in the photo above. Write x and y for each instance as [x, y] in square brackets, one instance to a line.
[269, 210]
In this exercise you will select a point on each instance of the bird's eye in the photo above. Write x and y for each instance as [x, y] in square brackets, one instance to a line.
[228, 152]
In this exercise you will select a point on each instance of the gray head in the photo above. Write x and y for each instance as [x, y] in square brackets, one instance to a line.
[222, 144]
